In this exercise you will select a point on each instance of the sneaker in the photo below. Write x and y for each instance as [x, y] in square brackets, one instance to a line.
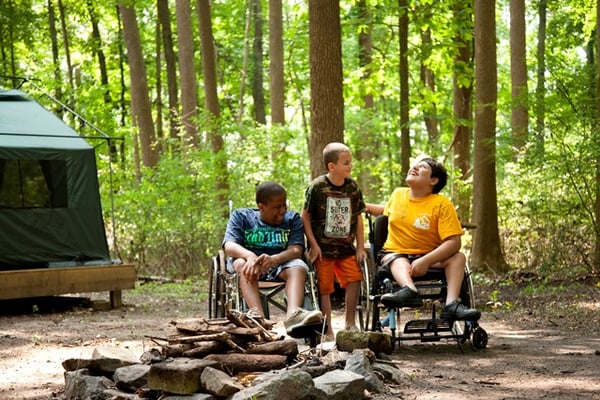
[301, 317]
[405, 297]
[458, 311]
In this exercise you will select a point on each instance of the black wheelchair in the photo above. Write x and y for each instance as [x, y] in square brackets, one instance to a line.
[432, 289]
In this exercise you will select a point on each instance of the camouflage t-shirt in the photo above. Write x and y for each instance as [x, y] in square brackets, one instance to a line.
[334, 211]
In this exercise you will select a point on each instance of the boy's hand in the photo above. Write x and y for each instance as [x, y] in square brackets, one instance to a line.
[361, 255]
[314, 253]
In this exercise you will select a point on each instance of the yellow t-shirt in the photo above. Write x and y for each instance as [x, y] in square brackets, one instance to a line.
[418, 226]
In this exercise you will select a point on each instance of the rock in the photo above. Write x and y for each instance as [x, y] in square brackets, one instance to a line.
[288, 385]
[378, 342]
[179, 375]
[80, 385]
[360, 362]
[341, 385]
[107, 359]
[219, 383]
[131, 377]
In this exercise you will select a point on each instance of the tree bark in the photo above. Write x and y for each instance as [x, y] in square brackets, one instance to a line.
[518, 72]
[486, 244]
[187, 73]
[327, 99]
[405, 147]
[212, 101]
[540, 91]
[257, 72]
[276, 67]
[462, 109]
[171, 65]
[141, 111]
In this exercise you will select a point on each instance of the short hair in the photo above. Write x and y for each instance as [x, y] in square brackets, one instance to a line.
[331, 152]
[437, 171]
[266, 191]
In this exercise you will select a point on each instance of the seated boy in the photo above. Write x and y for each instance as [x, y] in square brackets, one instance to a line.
[423, 232]
[267, 243]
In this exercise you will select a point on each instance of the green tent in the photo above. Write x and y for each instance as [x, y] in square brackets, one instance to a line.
[50, 211]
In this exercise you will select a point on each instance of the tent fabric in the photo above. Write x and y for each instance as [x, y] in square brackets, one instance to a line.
[50, 209]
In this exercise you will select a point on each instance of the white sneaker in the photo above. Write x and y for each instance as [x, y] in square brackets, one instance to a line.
[302, 317]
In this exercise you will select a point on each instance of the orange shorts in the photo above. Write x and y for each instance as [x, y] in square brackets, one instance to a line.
[346, 270]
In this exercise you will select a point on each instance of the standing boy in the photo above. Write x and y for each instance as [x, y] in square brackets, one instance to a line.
[332, 222]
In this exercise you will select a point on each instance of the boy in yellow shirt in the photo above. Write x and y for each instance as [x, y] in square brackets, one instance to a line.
[423, 232]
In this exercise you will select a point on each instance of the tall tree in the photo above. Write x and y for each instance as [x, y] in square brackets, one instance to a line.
[141, 111]
[486, 243]
[365, 143]
[187, 72]
[209, 70]
[326, 95]
[97, 47]
[596, 256]
[518, 73]
[164, 18]
[276, 81]
[258, 93]
[405, 148]
[540, 90]
[428, 82]
[462, 95]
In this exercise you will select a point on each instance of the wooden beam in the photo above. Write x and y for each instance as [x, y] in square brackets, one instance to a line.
[15, 284]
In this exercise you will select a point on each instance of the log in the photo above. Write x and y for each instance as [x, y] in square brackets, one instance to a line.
[177, 350]
[234, 363]
[288, 347]
[204, 348]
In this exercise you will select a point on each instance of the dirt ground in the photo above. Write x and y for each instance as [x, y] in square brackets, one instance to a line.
[543, 344]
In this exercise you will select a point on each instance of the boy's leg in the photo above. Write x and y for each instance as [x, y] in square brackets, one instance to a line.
[249, 290]
[326, 310]
[454, 268]
[294, 278]
[352, 293]
[350, 277]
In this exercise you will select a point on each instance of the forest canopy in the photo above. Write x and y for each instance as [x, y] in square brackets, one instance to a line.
[205, 100]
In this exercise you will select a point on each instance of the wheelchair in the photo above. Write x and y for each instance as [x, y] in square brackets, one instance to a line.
[432, 289]
[225, 295]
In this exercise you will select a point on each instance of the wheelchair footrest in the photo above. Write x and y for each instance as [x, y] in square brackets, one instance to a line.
[307, 331]
[427, 326]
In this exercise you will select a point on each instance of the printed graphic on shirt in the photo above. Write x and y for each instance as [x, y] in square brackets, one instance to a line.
[422, 222]
[337, 220]
[266, 237]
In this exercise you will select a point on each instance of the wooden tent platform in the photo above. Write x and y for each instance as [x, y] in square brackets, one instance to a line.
[16, 284]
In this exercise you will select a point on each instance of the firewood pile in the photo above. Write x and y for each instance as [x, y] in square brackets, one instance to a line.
[240, 342]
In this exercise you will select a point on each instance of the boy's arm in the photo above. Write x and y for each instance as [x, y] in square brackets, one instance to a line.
[360, 239]
[375, 209]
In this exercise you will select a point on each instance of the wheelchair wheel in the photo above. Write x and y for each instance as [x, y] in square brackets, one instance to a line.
[480, 338]
[217, 288]
[364, 300]
[467, 294]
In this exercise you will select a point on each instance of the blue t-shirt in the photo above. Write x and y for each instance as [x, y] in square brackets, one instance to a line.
[247, 229]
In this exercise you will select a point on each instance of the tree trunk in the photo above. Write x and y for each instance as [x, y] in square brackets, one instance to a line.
[171, 64]
[486, 244]
[97, 46]
[462, 109]
[55, 55]
[209, 70]
[257, 72]
[327, 98]
[518, 72]
[540, 91]
[187, 73]
[276, 77]
[141, 111]
[596, 259]
[428, 81]
[365, 143]
[405, 148]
